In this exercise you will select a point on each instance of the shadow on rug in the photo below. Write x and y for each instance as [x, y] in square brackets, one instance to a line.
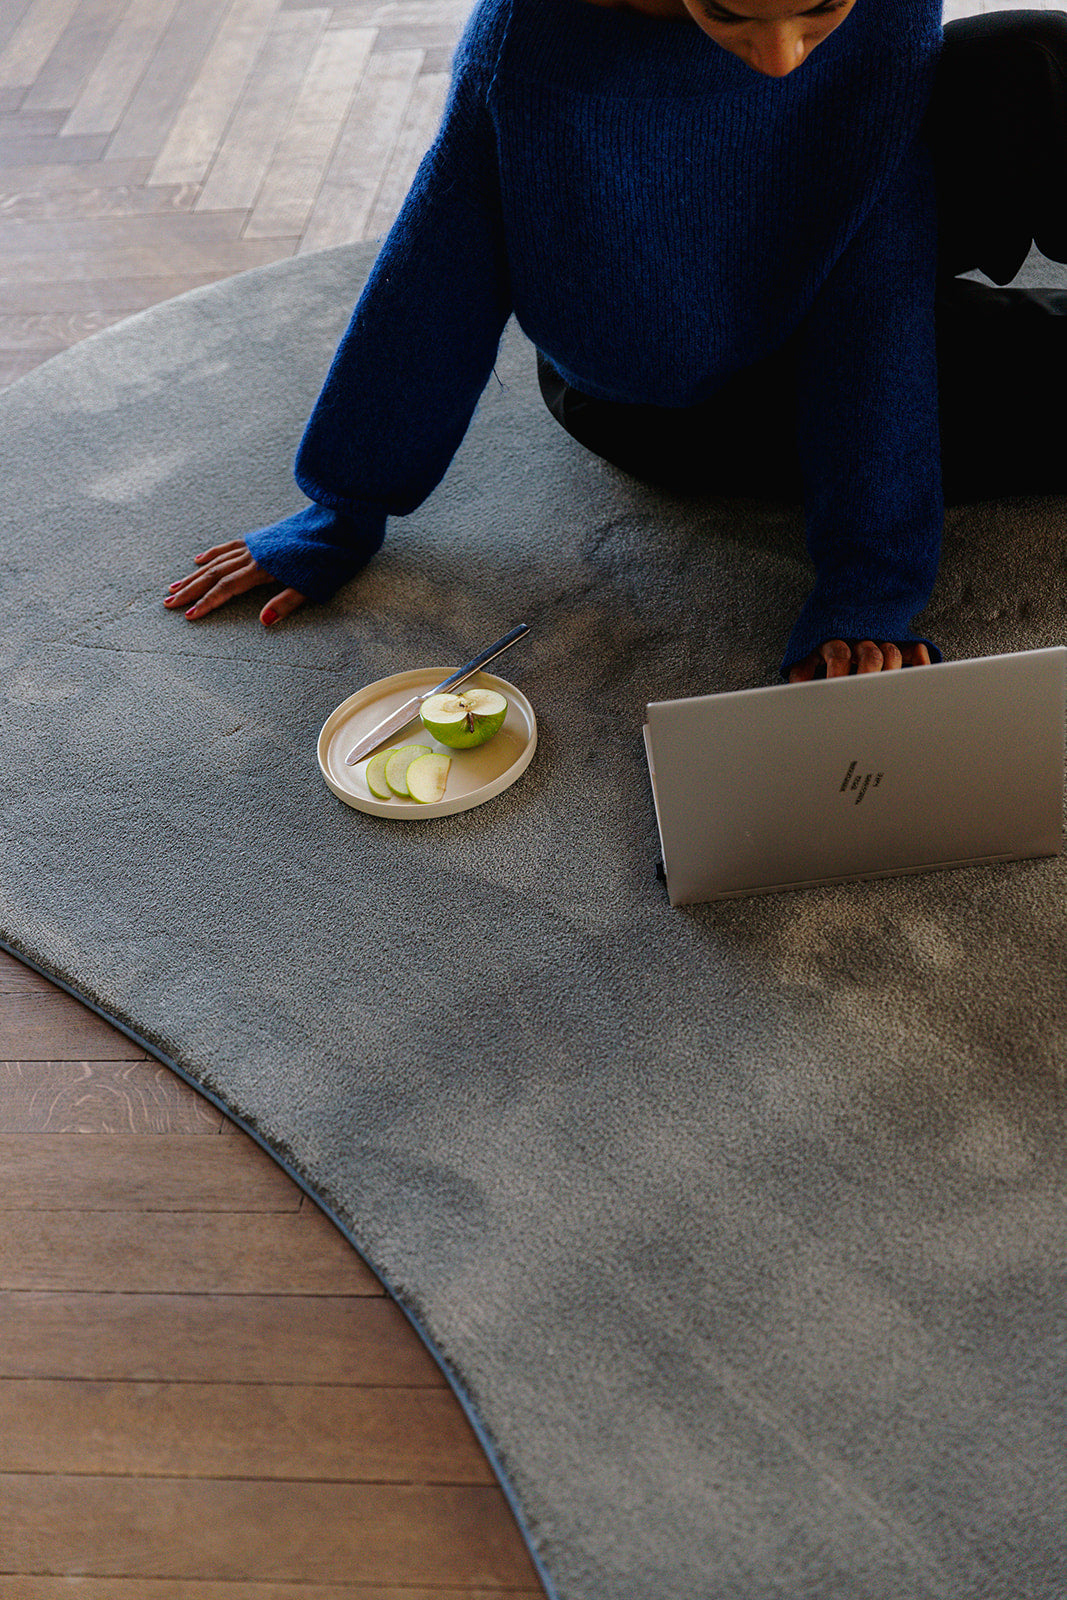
[740, 1230]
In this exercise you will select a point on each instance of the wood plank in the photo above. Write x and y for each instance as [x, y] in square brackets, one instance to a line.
[89, 201]
[396, 13]
[132, 232]
[418, 36]
[39, 123]
[82, 1097]
[17, 978]
[351, 184]
[44, 1588]
[202, 122]
[75, 53]
[291, 184]
[246, 151]
[33, 41]
[139, 1173]
[180, 1253]
[194, 1529]
[41, 180]
[161, 93]
[302, 156]
[16, 149]
[188, 1529]
[11, 18]
[437, 61]
[212, 1338]
[108, 89]
[333, 76]
[357, 14]
[400, 13]
[414, 138]
[118, 292]
[274, 1431]
[27, 341]
[207, 261]
[39, 1022]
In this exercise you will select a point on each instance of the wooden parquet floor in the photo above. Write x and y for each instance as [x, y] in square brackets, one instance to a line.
[150, 146]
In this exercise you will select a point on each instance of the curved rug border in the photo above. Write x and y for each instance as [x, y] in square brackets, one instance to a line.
[307, 1188]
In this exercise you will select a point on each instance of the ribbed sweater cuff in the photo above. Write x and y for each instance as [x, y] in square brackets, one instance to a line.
[816, 625]
[316, 550]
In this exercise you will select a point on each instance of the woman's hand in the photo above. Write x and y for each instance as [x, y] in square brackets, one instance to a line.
[842, 657]
[222, 572]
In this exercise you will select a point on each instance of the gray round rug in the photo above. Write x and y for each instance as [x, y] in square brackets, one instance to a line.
[740, 1230]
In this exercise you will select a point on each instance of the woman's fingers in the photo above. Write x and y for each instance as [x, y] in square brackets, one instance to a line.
[804, 671]
[840, 657]
[231, 547]
[280, 607]
[199, 583]
[831, 660]
[222, 572]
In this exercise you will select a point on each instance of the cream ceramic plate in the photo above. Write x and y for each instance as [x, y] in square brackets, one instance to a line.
[474, 776]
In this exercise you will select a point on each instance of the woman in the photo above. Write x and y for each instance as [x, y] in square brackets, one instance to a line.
[717, 222]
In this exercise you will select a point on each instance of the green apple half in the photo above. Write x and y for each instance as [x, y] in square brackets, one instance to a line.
[462, 721]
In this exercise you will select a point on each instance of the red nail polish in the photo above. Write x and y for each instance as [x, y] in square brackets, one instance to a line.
[268, 616]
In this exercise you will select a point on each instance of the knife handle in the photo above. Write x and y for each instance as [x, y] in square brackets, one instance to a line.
[481, 660]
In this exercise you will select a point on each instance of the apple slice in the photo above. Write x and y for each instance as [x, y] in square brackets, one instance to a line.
[397, 765]
[464, 720]
[377, 782]
[427, 775]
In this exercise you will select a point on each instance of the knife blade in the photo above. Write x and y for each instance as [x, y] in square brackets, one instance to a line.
[410, 709]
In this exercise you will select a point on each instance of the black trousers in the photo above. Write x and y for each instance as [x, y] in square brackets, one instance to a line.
[997, 129]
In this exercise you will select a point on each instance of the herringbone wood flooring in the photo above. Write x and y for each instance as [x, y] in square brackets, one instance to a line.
[195, 1403]
[150, 146]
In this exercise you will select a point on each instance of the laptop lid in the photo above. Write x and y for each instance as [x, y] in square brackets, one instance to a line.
[868, 776]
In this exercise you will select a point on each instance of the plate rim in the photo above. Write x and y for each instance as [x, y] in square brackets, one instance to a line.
[397, 810]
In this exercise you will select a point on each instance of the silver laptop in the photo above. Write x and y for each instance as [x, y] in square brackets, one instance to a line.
[863, 777]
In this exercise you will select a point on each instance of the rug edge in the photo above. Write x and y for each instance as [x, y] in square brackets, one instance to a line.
[263, 269]
[305, 1187]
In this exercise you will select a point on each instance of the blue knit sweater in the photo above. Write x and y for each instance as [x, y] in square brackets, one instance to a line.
[657, 215]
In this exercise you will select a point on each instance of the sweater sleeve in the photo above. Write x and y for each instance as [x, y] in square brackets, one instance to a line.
[868, 427]
[419, 350]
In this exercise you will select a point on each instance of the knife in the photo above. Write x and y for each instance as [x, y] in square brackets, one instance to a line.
[410, 709]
